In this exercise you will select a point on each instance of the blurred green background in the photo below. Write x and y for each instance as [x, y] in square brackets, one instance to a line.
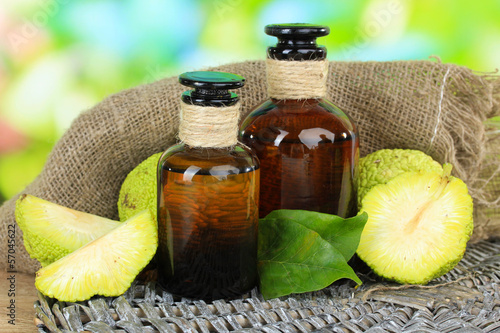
[60, 57]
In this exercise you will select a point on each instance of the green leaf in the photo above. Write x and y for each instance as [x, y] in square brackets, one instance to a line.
[295, 259]
[343, 234]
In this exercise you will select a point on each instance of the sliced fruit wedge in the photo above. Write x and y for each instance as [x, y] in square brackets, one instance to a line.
[418, 226]
[106, 266]
[52, 231]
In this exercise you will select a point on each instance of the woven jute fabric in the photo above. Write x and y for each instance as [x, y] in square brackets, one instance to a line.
[209, 126]
[438, 108]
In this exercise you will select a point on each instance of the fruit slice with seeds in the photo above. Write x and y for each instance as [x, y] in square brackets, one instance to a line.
[51, 231]
[106, 266]
[418, 226]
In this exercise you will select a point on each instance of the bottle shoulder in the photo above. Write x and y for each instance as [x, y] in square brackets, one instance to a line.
[234, 159]
[297, 116]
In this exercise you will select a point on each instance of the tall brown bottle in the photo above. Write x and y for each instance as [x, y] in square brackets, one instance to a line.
[208, 193]
[308, 148]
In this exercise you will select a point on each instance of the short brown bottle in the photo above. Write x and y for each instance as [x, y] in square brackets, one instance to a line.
[308, 148]
[208, 193]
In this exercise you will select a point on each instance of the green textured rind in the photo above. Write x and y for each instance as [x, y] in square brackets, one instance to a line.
[37, 249]
[138, 191]
[37, 246]
[385, 164]
[446, 268]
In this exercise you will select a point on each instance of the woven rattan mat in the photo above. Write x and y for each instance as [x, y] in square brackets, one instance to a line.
[467, 299]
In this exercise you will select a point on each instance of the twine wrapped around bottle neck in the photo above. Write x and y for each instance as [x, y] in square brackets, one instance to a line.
[290, 79]
[208, 126]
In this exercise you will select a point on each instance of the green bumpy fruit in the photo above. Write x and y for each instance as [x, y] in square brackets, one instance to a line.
[51, 231]
[138, 191]
[383, 165]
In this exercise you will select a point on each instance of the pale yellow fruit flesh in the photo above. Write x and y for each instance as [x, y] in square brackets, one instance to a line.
[418, 227]
[106, 266]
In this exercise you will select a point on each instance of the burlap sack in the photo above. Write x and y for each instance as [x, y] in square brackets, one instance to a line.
[426, 105]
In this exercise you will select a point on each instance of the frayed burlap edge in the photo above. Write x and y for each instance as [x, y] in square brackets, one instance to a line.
[487, 207]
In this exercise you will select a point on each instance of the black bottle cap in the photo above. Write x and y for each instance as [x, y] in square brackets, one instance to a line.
[211, 88]
[297, 41]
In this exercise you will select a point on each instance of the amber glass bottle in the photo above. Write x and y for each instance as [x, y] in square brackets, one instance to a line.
[308, 148]
[208, 190]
